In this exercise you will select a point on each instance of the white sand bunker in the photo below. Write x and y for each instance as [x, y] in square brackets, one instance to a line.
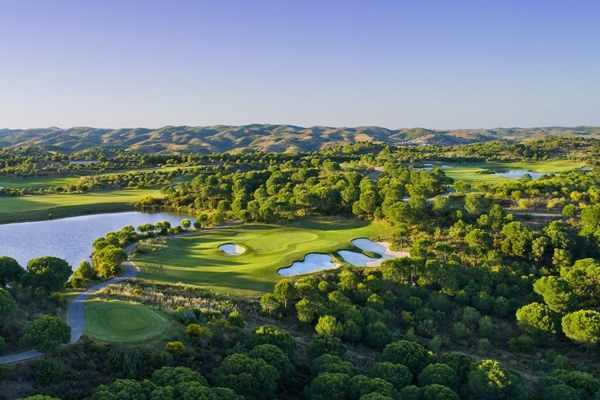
[361, 260]
[232, 249]
[312, 262]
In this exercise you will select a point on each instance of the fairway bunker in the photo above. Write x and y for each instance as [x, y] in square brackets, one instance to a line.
[232, 249]
[362, 260]
[312, 262]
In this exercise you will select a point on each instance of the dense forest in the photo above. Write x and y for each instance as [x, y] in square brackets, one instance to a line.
[498, 296]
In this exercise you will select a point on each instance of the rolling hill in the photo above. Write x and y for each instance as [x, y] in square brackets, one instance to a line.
[269, 138]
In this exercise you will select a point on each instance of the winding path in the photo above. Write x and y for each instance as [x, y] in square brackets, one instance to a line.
[76, 308]
[75, 311]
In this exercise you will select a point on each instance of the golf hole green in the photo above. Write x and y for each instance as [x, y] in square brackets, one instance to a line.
[117, 321]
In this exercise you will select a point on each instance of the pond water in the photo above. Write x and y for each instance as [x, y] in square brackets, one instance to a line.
[431, 166]
[70, 238]
[518, 173]
[312, 262]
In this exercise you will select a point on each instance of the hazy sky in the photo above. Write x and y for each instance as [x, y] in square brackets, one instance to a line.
[436, 64]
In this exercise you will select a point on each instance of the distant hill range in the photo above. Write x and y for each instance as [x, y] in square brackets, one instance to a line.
[269, 138]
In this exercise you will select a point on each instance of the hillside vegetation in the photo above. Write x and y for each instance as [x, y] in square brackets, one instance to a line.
[268, 138]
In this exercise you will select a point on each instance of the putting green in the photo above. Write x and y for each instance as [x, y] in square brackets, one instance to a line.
[117, 321]
[196, 260]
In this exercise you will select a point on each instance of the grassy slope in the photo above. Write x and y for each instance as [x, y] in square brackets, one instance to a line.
[117, 321]
[30, 208]
[477, 171]
[37, 181]
[196, 259]
[58, 180]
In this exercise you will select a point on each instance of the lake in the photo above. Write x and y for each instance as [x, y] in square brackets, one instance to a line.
[70, 238]
[518, 173]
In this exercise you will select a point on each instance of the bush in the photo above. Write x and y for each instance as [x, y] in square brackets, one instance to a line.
[271, 334]
[488, 380]
[175, 347]
[160, 359]
[438, 392]
[46, 333]
[328, 386]
[460, 330]
[250, 377]
[440, 374]
[523, 343]
[328, 325]
[126, 361]
[397, 374]
[361, 385]
[48, 372]
[484, 345]
[171, 376]
[411, 354]
[197, 330]
[327, 344]
[334, 364]
[275, 357]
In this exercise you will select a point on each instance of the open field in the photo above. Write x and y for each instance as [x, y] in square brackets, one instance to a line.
[117, 321]
[196, 259]
[37, 181]
[31, 208]
[483, 171]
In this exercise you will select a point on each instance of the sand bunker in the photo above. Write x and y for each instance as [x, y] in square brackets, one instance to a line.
[232, 249]
[362, 260]
[312, 262]
[358, 259]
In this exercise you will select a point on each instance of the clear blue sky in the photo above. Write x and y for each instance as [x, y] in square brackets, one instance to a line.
[436, 64]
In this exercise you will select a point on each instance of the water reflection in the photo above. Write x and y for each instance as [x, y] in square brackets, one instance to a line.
[69, 238]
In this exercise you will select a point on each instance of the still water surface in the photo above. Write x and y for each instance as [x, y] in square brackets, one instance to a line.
[69, 238]
[519, 173]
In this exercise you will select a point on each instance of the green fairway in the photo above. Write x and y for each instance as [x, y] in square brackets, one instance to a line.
[484, 171]
[196, 260]
[30, 208]
[37, 181]
[117, 321]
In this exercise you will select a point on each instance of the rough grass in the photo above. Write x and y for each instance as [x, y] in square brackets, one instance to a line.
[30, 208]
[118, 321]
[196, 260]
[484, 171]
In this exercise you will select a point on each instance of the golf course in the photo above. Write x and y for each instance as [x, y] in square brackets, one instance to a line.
[485, 171]
[32, 208]
[197, 260]
[36, 181]
[118, 321]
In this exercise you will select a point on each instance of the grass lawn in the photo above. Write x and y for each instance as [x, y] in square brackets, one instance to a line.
[482, 171]
[196, 260]
[118, 321]
[30, 208]
[57, 180]
[37, 181]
